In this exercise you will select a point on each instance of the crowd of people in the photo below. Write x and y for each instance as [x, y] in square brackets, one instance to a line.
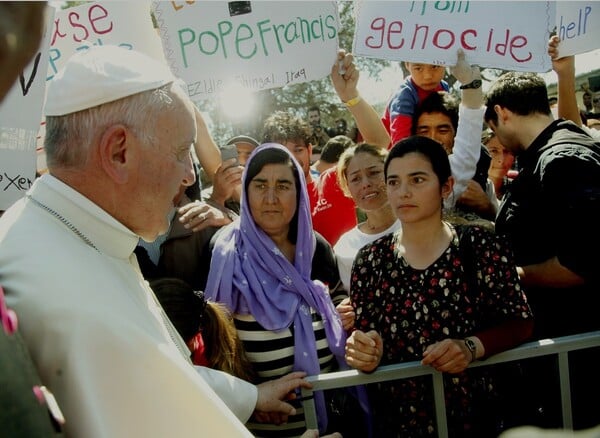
[454, 226]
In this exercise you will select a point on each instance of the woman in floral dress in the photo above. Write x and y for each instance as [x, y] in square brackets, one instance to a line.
[442, 294]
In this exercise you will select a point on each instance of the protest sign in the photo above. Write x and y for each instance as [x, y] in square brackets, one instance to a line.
[508, 35]
[257, 45]
[578, 26]
[20, 114]
[125, 24]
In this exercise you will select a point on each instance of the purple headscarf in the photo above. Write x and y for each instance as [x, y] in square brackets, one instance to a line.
[250, 275]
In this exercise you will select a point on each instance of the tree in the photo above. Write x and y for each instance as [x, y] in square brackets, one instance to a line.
[297, 98]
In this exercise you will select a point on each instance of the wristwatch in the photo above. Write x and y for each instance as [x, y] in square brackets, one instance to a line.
[474, 84]
[472, 347]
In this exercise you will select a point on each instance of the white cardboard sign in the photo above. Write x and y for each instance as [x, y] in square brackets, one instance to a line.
[578, 26]
[258, 45]
[20, 114]
[499, 34]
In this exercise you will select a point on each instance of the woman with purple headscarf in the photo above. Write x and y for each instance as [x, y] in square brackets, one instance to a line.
[262, 269]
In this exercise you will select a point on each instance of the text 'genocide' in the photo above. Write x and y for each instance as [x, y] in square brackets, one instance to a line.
[393, 35]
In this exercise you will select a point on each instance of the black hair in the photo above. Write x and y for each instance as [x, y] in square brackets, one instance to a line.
[433, 151]
[191, 313]
[184, 306]
[440, 102]
[276, 156]
[520, 93]
[334, 147]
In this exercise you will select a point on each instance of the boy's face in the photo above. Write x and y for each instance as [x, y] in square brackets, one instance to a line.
[426, 76]
[302, 152]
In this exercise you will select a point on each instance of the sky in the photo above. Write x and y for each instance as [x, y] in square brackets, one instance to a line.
[584, 62]
[380, 91]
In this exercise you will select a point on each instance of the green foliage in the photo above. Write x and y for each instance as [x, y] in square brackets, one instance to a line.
[70, 4]
[297, 98]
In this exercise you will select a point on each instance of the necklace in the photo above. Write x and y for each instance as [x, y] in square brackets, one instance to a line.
[375, 228]
[165, 320]
[68, 224]
[380, 227]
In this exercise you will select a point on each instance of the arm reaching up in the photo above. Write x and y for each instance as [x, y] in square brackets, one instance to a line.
[467, 142]
[565, 71]
[344, 76]
[205, 147]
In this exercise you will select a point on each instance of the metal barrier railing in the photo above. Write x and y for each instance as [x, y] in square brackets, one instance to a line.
[559, 346]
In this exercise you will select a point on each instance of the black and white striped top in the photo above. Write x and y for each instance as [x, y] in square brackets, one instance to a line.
[272, 353]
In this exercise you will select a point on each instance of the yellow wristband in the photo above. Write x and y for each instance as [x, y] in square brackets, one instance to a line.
[353, 102]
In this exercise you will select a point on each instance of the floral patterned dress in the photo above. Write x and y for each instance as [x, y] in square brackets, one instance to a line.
[472, 286]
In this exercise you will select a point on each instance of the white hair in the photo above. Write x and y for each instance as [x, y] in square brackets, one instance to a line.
[69, 138]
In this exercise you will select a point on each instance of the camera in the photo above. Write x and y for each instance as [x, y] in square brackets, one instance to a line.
[229, 152]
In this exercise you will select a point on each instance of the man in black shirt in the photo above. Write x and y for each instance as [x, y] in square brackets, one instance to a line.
[550, 214]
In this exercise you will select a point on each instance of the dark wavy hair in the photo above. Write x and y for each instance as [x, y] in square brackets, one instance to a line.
[521, 93]
[281, 127]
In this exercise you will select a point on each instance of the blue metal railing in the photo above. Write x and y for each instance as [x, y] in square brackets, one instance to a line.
[559, 346]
